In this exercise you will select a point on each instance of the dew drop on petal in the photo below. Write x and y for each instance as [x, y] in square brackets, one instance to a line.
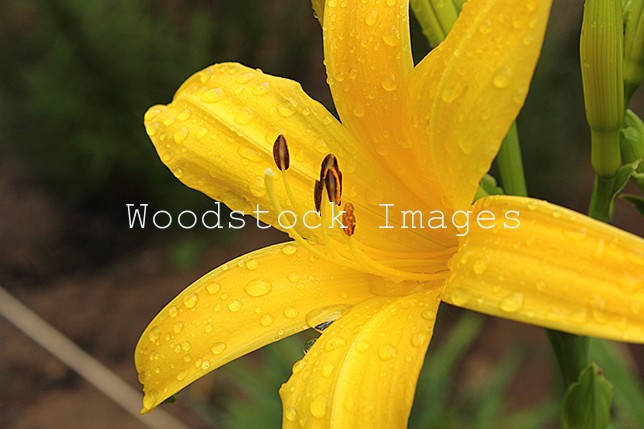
[289, 249]
[334, 343]
[420, 339]
[180, 134]
[154, 334]
[266, 320]
[290, 312]
[387, 352]
[286, 107]
[252, 264]
[362, 346]
[261, 88]
[190, 300]
[184, 115]
[244, 116]
[234, 305]
[502, 77]
[371, 17]
[293, 277]
[257, 187]
[392, 36]
[182, 375]
[213, 288]
[318, 406]
[177, 327]
[213, 95]
[298, 366]
[290, 414]
[512, 303]
[172, 311]
[258, 287]
[390, 83]
[327, 369]
[218, 348]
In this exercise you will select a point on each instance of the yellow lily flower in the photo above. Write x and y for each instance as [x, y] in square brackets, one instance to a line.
[415, 138]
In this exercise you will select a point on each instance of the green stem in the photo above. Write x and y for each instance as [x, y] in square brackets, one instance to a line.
[600, 200]
[510, 164]
[571, 350]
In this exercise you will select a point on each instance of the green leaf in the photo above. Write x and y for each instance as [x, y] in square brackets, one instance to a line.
[636, 201]
[588, 401]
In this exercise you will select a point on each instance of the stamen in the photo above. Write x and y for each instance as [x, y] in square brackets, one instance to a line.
[329, 162]
[317, 195]
[349, 219]
[333, 183]
[280, 153]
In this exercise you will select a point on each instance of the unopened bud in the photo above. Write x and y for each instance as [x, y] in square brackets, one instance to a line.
[633, 46]
[601, 52]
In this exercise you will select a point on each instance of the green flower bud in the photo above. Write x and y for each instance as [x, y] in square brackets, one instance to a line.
[633, 46]
[436, 18]
[601, 53]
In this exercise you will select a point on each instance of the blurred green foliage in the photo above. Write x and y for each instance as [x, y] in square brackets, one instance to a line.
[76, 77]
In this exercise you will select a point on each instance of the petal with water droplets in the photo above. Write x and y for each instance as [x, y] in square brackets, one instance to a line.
[382, 335]
[549, 266]
[236, 309]
[466, 93]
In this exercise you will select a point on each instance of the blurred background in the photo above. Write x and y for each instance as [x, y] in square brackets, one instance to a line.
[76, 77]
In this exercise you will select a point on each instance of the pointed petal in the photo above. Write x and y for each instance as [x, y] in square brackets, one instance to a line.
[558, 269]
[467, 92]
[217, 137]
[367, 53]
[362, 371]
[239, 307]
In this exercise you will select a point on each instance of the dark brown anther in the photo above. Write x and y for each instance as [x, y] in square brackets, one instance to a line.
[280, 153]
[328, 163]
[349, 219]
[333, 184]
[317, 195]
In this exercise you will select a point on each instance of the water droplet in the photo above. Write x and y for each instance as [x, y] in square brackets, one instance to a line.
[459, 297]
[519, 95]
[334, 344]
[186, 346]
[181, 134]
[452, 92]
[234, 305]
[485, 27]
[244, 116]
[178, 173]
[150, 399]
[244, 78]
[152, 113]
[290, 414]
[371, 17]
[213, 288]
[293, 277]
[213, 95]
[184, 115]
[298, 366]
[428, 314]
[291, 312]
[387, 352]
[252, 264]
[362, 346]
[420, 339]
[286, 107]
[390, 83]
[154, 334]
[576, 234]
[527, 39]
[182, 375]
[257, 186]
[599, 249]
[261, 88]
[266, 320]
[359, 111]
[201, 133]
[327, 369]
[325, 314]
[205, 365]
[480, 266]
[190, 300]
[177, 327]
[502, 77]
[289, 249]
[169, 121]
[172, 311]
[512, 303]
[218, 348]
[258, 287]
[392, 36]
[598, 309]
[318, 406]
[152, 128]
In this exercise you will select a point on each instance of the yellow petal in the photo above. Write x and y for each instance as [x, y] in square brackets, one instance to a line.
[368, 55]
[362, 371]
[467, 92]
[558, 269]
[239, 307]
[217, 137]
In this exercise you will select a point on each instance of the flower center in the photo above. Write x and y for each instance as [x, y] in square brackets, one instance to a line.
[343, 249]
